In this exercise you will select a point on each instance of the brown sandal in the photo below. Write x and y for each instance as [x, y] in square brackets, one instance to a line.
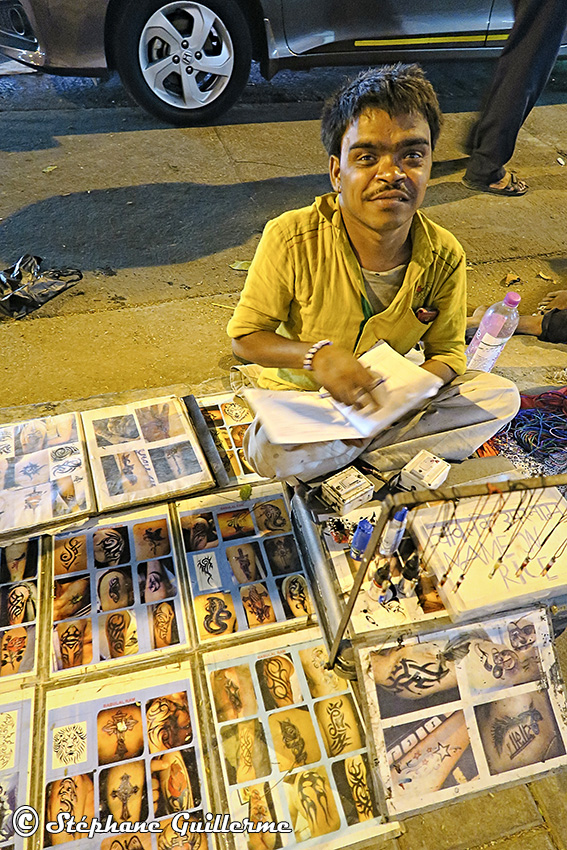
[513, 188]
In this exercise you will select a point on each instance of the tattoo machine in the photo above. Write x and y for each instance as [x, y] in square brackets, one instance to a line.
[424, 472]
[389, 544]
[347, 490]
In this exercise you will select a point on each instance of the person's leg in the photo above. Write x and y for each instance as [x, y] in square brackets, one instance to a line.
[521, 75]
[462, 416]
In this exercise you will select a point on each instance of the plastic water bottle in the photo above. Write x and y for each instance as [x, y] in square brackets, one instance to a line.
[496, 327]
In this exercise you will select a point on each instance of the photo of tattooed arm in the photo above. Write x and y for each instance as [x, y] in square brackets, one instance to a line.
[409, 678]
[73, 795]
[115, 589]
[122, 790]
[311, 803]
[151, 540]
[168, 722]
[175, 782]
[429, 755]
[257, 605]
[339, 724]
[73, 644]
[71, 598]
[120, 733]
[294, 737]
[233, 693]
[169, 839]
[118, 634]
[245, 751]
[156, 580]
[278, 681]
[70, 555]
[519, 731]
[18, 603]
[260, 809]
[18, 561]
[353, 780]
[163, 625]
[16, 650]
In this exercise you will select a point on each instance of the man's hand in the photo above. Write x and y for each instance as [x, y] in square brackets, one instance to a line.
[344, 377]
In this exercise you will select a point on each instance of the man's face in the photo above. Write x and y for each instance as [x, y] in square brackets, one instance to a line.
[383, 170]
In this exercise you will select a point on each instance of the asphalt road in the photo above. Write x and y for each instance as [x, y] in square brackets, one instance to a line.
[156, 216]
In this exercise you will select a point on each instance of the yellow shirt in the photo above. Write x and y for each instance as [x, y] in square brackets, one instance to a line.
[306, 284]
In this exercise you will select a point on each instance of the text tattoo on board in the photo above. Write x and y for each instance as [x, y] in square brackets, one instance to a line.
[516, 733]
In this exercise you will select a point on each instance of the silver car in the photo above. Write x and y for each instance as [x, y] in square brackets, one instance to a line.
[187, 62]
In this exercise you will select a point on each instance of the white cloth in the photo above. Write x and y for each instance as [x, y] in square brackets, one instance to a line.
[461, 417]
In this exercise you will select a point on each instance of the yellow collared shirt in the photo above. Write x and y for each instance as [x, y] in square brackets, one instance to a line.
[306, 284]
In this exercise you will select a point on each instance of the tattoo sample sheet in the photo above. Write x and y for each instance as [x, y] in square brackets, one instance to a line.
[228, 420]
[420, 604]
[15, 767]
[43, 473]
[291, 744]
[19, 600]
[244, 566]
[144, 451]
[128, 750]
[116, 591]
[492, 553]
[463, 710]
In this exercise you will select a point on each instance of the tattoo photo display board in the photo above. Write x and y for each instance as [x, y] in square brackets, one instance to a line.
[43, 474]
[244, 566]
[417, 603]
[291, 744]
[134, 753]
[19, 600]
[463, 710]
[143, 452]
[15, 767]
[491, 553]
[116, 591]
[228, 420]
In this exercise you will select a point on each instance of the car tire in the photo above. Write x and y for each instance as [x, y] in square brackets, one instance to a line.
[184, 62]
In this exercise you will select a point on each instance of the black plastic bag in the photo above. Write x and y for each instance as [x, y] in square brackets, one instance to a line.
[24, 288]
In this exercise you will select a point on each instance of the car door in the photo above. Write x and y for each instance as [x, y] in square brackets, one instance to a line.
[336, 26]
[501, 22]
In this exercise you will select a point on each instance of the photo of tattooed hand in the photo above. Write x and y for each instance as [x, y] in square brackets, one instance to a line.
[74, 796]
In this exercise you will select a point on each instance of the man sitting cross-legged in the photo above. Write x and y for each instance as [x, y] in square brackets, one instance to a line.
[363, 264]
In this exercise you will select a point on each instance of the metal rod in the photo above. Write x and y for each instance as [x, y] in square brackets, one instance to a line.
[421, 497]
[388, 506]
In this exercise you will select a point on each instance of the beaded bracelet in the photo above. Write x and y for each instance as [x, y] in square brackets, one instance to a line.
[308, 360]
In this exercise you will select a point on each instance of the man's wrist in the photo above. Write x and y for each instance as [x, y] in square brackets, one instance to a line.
[308, 359]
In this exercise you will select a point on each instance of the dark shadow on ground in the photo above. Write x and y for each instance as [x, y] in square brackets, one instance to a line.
[75, 105]
[151, 225]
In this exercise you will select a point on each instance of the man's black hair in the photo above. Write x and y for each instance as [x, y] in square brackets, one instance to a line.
[397, 89]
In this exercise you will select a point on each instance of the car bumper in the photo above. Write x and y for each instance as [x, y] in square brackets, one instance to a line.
[60, 36]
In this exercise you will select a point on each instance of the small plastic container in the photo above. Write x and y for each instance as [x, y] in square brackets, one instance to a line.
[496, 327]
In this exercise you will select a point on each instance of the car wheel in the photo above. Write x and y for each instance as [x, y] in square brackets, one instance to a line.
[184, 62]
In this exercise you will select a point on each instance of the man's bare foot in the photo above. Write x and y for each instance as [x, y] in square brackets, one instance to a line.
[554, 300]
[474, 320]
